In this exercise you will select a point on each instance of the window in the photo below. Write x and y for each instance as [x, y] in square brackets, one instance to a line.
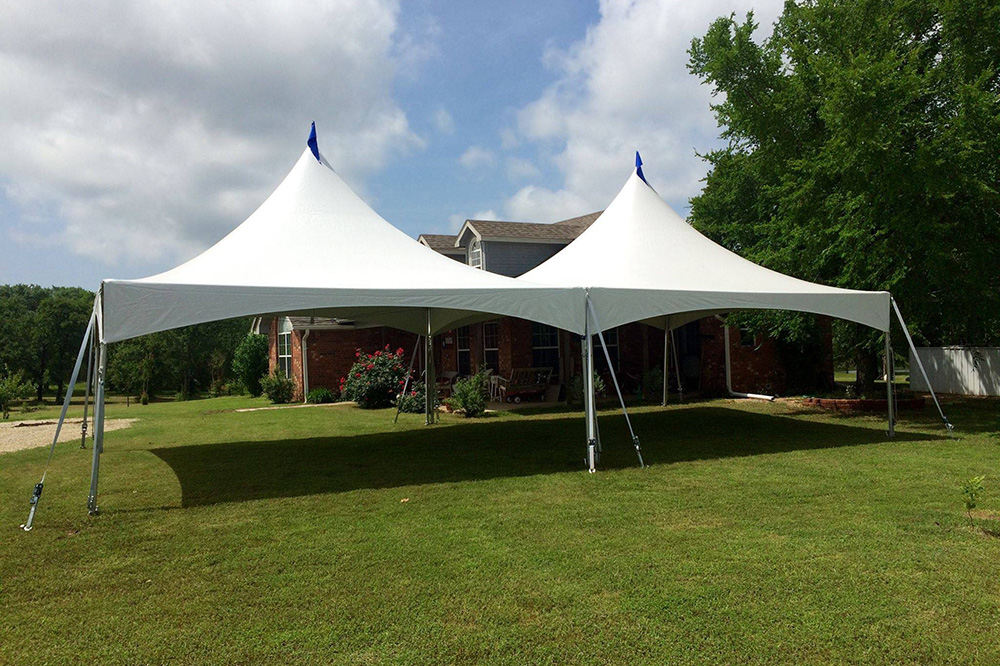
[476, 254]
[545, 348]
[464, 352]
[747, 338]
[285, 347]
[600, 362]
[491, 346]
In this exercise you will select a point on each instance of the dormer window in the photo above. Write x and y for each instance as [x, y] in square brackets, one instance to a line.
[476, 254]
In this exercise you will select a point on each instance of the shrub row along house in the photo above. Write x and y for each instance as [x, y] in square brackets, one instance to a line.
[317, 352]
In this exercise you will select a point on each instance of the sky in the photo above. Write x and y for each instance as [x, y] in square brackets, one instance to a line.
[134, 135]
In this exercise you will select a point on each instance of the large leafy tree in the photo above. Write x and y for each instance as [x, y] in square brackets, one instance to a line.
[862, 151]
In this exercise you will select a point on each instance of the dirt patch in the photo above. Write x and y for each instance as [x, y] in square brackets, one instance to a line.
[17, 435]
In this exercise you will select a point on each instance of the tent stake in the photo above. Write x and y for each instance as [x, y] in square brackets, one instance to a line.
[406, 384]
[920, 365]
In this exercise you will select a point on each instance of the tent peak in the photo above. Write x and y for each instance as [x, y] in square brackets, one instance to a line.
[638, 167]
[314, 144]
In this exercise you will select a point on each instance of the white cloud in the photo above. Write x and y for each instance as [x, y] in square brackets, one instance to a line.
[476, 157]
[443, 121]
[538, 204]
[622, 88]
[521, 169]
[142, 132]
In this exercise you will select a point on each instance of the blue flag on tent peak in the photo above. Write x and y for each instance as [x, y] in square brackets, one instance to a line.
[638, 167]
[313, 144]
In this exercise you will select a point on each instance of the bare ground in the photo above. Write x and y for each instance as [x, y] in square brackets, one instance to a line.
[17, 435]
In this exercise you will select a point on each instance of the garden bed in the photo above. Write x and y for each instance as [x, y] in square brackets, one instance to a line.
[853, 405]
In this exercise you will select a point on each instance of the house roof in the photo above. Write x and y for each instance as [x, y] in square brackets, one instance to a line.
[444, 243]
[559, 232]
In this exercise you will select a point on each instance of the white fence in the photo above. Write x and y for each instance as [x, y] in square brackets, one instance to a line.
[964, 370]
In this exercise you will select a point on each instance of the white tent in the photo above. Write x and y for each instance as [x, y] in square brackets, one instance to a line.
[313, 248]
[641, 261]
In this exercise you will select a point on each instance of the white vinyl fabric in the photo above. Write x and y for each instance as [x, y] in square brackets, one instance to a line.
[315, 248]
[640, 260]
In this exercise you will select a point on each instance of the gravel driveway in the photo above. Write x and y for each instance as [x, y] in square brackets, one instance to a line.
[17, 435]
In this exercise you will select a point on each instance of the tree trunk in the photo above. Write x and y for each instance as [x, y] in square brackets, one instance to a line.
[868, 372]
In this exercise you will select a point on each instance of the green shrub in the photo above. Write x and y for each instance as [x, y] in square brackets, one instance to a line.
[652, 384]
[412, 402]
[250, 362]
[471, 395]
[320, 396]
[376, 379]
[13, 388]
[970, 492]
[277, 387]
[576, 387]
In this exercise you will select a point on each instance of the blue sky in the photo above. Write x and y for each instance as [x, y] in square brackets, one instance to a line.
[136, 135]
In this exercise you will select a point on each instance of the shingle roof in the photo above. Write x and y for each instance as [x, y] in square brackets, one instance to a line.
[565, 230]
[440, 242]
[582, 222]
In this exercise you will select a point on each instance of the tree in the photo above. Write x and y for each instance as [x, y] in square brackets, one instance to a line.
[12, 388]
[250, 362]
[861, 152]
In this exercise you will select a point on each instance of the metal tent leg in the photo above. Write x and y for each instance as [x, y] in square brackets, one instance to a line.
[406, 384]
[98, 448]
[920, 366]
[430, 382]
[86, 396]
[890, 373]
[666, 360]
[590, 415]
[618, 390]
[677, 369]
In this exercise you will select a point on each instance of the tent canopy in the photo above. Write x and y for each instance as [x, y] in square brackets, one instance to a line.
[315, 248]
[640, 260]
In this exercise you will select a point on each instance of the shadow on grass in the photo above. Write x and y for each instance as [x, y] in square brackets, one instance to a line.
[241, 471]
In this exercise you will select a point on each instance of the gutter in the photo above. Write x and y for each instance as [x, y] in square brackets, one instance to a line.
[729, 372]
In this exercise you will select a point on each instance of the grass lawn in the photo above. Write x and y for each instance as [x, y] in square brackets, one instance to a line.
[760, 534]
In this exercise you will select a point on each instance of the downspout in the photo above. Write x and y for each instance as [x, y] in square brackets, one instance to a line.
[729, 371]
[305, 366]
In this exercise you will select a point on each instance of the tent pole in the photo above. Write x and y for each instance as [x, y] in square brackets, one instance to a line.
[890, 372]
[666, 359]
[36, 494]
[406, 384]
[920, 365]
[588, 392]
[430, 385]
[614, 379]
[86, 395]
[677, 369]
[98, 448]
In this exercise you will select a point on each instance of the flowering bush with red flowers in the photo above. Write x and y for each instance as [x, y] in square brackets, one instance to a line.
[375, 379]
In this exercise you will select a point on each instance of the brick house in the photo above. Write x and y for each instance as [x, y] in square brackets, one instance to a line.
[513, 248]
